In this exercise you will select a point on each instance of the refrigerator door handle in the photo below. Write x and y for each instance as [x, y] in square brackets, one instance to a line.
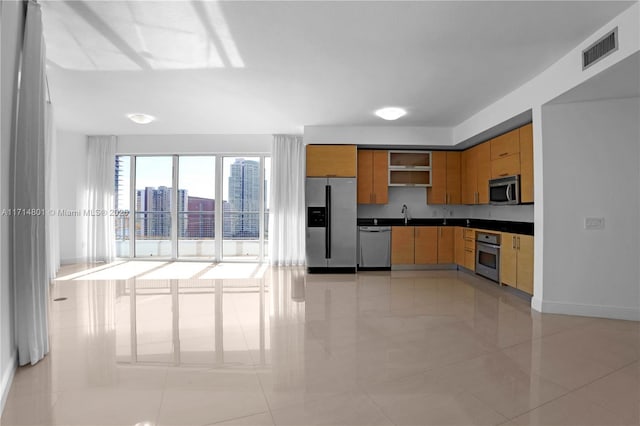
[327, 234]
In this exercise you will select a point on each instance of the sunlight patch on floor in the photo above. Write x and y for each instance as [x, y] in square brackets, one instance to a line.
[235, 271]
[122, 271]
[176, 271]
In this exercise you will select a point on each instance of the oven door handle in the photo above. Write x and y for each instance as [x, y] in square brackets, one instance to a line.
[480, 244]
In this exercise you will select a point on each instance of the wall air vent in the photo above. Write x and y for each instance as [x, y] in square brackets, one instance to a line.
[600, 49]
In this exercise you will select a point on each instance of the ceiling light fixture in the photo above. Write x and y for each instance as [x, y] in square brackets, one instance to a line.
[140, 118]
[390, 113]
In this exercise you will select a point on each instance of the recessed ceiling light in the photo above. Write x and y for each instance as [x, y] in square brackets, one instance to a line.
[390, 113]
[140, 118]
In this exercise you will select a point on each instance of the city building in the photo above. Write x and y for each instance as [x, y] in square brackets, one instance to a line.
[244, 199]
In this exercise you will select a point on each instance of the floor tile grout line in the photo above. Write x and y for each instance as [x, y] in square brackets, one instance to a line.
[572, 391]
[231, 419]
[373, 401]
[164, 389]
[253, 363]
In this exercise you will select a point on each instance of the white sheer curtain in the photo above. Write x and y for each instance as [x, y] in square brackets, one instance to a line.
[30, 276]
[100, 226]
[51, 193]
[287, 218]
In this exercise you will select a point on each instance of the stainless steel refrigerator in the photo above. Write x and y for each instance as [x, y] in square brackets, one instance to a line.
[331, 235]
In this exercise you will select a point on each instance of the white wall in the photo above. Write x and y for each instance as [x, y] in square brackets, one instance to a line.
[592, 169]
[415, 199]
[12, 20]
[195, 144]
[379, 135]
[72, 175]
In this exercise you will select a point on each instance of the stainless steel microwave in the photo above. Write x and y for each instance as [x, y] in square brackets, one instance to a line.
[505, 190]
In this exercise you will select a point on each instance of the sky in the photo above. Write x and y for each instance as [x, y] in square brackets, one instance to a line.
[196, 174]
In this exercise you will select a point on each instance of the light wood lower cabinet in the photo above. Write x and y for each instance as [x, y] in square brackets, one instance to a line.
[459, 245]
[465, 247]
[516, 261]
[402, 245]
[422, 245]
[446, 243]
[426, 245]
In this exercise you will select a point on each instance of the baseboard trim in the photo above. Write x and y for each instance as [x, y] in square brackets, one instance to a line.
[536, 304]
[7, 379]
[598, 311]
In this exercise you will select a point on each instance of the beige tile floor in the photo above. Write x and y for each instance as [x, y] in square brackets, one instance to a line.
[155, 343]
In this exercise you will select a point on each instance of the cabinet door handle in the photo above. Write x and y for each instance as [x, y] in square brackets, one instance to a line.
[518, 243]
[503, 154]
[513, 242]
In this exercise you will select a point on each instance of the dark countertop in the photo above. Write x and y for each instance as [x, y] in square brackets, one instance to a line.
[524, 228]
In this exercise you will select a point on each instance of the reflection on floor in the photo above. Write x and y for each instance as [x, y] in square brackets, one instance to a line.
[160, 343]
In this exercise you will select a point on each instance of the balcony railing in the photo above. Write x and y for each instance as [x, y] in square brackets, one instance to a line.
[196, 234]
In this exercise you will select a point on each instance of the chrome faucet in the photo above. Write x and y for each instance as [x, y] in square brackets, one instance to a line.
[405, 213]
[445, 212]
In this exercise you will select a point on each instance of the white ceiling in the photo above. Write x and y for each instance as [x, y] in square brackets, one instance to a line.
[273, 67]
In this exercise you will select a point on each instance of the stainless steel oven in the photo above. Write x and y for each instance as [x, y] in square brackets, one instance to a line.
[488, 255]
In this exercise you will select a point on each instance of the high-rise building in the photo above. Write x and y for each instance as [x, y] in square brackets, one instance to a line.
[200, 219]
[244, 198]
[154, 207]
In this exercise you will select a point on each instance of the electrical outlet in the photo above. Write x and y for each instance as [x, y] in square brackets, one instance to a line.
[593, 223]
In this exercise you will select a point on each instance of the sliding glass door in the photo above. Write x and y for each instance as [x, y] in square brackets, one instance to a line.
[154, 198]
[173, 200]
[241, 210]
[196, 215]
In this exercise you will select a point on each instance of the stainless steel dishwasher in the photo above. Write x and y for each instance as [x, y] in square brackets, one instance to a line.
[375, 246]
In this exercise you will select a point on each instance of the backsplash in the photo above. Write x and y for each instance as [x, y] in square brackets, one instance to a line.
[415, 199]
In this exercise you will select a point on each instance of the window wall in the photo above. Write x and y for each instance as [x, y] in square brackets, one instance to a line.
[172, 202]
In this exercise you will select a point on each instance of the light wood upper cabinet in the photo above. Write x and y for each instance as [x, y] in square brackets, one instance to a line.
[505, 154]
[446, 242]
[483, 170]
[469, 176]
[505, 145]
[453, 177]
[445, 178]
[526, 163]
[331, 160]
[410, 168]
[476, 172]
[505, 166]
[372, 177]
[426, 245]
[437, 193]
[402, 245]
[516, 261]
